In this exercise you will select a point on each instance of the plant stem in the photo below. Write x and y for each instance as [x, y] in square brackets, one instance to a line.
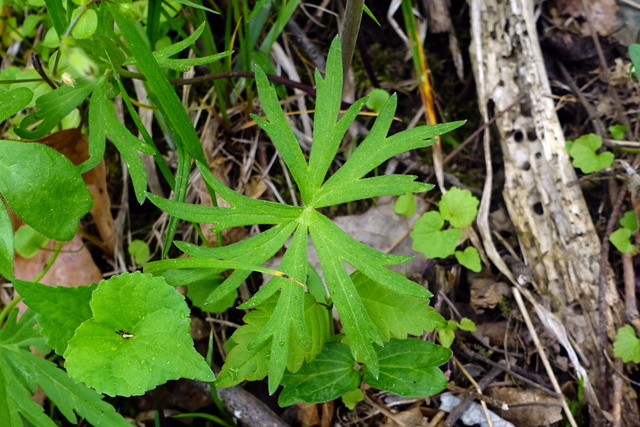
[349, 33]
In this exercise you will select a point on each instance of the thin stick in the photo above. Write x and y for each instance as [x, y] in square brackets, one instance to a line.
[543, 355]
[631, 307]
[478, 390]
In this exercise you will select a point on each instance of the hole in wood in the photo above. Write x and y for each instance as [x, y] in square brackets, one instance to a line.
[538, 209]
[518, 136]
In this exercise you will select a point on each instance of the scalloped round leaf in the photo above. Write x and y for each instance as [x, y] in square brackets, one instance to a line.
[469, 258]
[459, 207]
[627, 345]
[137, 339]
[410, 368]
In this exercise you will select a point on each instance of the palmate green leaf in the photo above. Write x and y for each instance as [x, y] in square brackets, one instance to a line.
[328, 130]
[251, 363]
[59, 309]
[21, 371]
[277, 127]
[288, 316]
[357, 325]
[104, 122]
[244, 256]
[396, 316]
[331, 374]
[410, 368]
[169, 105]
[43, 188]
[334, 246]
[377, 148]
[137, 339]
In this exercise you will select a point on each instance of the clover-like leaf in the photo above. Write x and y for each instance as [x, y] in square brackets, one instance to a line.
[137, 339]
[627, 345]
[459, 207]
[629, 220]
[617, 131]
[469, 258]
[621, 239]
[429, 238]
[585, 157]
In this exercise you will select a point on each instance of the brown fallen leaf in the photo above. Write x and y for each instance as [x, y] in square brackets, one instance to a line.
[486, 292]
[527, 407]
[74, 266]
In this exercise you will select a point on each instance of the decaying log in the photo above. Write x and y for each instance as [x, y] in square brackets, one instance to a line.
[555, 231]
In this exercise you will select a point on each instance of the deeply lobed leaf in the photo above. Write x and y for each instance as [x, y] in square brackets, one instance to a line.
[275, 333]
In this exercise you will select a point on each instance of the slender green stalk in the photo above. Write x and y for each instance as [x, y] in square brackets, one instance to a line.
[350, 29]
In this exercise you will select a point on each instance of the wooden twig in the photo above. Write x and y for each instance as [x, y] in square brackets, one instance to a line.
[459, 410]
[631, 306]
[543, 354]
